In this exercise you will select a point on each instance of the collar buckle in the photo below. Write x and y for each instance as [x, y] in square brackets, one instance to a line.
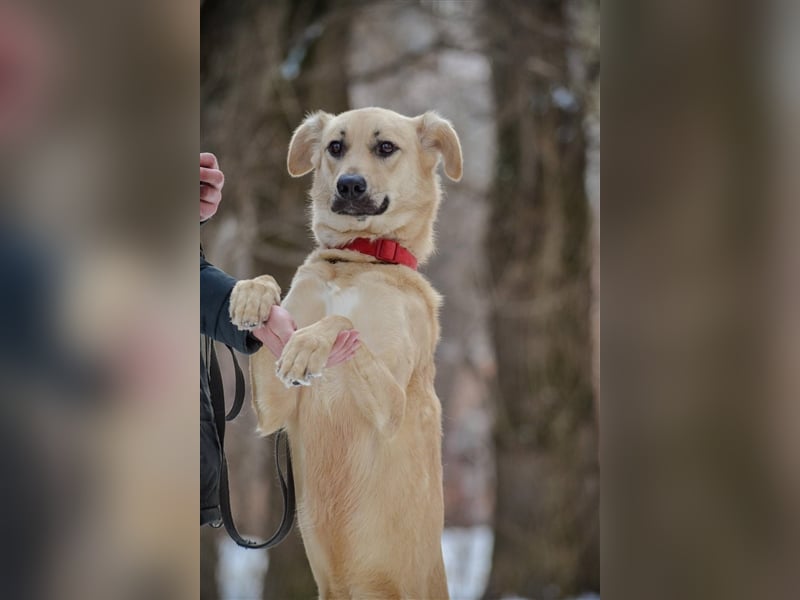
[386, 250]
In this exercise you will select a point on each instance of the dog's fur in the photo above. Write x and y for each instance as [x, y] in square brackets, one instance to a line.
[365, 435]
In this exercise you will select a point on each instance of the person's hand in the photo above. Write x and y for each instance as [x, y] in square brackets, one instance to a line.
[277, 330]
[211, 182]
[280, 327]
[344, 347]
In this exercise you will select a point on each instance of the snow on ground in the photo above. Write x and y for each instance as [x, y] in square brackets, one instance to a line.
[467, 555]
[467, 558]
[240, 572]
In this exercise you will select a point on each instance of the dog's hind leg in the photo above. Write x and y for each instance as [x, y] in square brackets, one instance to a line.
[437, 583]
[378, 588]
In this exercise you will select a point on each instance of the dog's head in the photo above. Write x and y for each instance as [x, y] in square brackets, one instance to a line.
[375, 174]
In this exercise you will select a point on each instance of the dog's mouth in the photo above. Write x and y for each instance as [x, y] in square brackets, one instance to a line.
[360, 207]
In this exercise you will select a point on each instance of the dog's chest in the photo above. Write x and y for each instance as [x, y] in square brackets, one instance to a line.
[340, 301]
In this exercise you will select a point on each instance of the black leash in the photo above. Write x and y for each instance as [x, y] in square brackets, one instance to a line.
[217, 388]
[287, 490]
[286, 481]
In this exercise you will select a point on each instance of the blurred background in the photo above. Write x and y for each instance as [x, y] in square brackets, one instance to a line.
[517, 261]
[99, 299]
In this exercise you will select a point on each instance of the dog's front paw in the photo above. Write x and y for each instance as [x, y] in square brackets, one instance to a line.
[307, 351]
[303, 358]
[251, 301]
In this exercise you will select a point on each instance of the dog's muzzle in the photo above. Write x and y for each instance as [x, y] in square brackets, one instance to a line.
[363, 206]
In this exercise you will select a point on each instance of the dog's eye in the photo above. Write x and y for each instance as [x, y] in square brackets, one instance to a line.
[335, 148]
[386, 148]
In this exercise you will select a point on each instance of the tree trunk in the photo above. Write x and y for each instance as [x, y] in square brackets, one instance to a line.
[264, 65]
[546, 517]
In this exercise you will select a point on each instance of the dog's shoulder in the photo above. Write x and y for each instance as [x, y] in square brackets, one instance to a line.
[413, 283]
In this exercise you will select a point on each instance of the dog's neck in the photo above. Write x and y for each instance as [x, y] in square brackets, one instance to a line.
[415, 236]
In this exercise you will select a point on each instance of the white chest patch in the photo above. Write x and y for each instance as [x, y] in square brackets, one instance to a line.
[340, 301]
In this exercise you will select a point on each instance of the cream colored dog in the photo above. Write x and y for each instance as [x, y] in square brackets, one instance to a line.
[365, 435]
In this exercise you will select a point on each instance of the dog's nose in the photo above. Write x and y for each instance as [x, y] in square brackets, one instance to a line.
[351, 187]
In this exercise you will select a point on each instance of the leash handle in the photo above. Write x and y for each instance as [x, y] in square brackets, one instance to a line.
[286, 481]
[287, 491]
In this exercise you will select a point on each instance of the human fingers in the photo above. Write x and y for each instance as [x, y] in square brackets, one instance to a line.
[340, 357]
[210, 199]
[346, 352]
[334, 359]
[353, 343]
[212, 177]
[210, 194]
[207, 159]
[340, 341]
[338, 349]
[351, 353]
[350, 341]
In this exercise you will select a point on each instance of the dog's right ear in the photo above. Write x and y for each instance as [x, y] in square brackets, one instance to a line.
[305, 143]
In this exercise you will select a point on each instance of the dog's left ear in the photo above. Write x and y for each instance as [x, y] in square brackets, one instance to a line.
[436, 133]
[305, 141]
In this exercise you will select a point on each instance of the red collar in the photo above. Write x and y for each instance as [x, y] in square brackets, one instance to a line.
[384, 250]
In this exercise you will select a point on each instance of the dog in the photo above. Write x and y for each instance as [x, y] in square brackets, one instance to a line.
[365, 435]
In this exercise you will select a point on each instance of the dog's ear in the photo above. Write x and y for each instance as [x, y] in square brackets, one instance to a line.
[436, 133]
[305, 142]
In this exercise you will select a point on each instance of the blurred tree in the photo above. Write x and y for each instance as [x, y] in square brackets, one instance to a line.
[546, 519]
[263, 64]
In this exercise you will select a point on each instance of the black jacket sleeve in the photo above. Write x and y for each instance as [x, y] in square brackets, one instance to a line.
[215, 294]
